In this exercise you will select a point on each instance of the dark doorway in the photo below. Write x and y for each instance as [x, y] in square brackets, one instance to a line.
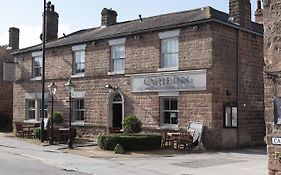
[117, 115]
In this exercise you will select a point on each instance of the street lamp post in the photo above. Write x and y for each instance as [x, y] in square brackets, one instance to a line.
[43, 74]
[52, 90]
[69, 86]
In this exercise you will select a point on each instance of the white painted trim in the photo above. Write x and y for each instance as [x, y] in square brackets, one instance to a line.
[78, 94]
[78, 123]
[33, 96]
[36, 79]
[117, 41]
[31, 121]
[36, 54]
[169, 126]
[168, 69]
[169, 34]
[79, 47]
[80, 75]
[168, 94]
[116, 73]
[110, 97]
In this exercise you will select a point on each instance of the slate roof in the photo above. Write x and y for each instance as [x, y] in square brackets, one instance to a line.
[160, 22]
[5, 54]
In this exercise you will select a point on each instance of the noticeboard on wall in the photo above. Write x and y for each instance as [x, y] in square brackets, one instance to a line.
[9, 71]
[277, 110]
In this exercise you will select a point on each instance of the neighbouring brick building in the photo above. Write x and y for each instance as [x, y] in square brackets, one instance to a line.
[6, 84]
[272, 84]
[198, 65]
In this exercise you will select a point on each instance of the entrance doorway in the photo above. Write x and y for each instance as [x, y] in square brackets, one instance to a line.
[117, 116]
[116, 110]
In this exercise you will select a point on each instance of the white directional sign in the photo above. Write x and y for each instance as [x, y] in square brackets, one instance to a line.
[276, 140]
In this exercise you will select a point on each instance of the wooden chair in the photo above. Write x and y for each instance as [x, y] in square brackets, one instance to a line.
[20, 132]
[166, 140]
[184, 141]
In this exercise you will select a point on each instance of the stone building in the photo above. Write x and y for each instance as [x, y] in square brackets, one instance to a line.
[6, 83]
[272, 79]
[198, 65]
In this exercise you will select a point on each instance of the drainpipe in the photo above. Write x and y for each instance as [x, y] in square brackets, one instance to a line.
[238, 84]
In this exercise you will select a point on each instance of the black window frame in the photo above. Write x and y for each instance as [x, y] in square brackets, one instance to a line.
[230, 105]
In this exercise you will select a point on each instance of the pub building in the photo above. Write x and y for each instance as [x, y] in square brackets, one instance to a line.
[272, 75]
[198, 65]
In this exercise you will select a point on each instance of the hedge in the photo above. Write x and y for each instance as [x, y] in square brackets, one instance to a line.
[130, 142]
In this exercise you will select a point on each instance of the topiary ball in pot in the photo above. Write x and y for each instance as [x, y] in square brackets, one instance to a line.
[132, 125]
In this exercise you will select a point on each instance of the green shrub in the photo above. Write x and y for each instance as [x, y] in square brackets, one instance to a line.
[37, 134]
[57, 118]
[130, 142]
[132, 125]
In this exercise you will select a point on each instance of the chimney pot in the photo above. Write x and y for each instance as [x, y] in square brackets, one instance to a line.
[259, 13]
[52, 23]
[108, 17]
[14, 38]
[240, 10]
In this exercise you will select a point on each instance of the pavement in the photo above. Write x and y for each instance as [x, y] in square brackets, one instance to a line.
[86, 157]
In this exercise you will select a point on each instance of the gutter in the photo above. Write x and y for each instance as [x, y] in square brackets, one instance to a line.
[238, 85]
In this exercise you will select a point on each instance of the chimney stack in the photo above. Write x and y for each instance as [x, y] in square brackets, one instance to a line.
[259, 13]
[240, 11]
[14, 38]
[52, 22]
[108, 17]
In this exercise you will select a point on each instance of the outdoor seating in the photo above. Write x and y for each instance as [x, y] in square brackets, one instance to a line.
[20, 132]
[60, 135]
[184, 140]
[166, 139]
[29, 129]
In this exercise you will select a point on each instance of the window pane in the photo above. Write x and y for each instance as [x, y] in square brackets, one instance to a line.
[79, 61]
[234, 116]
[118, 51]
[37, 72]
[81, 104]
[118, 65]
[174, 104]
[167, 118]
[37, 65]
[174, 118]
[166, 104]
[31, 114]
[228, 116]
[30, 109]
[170, 52]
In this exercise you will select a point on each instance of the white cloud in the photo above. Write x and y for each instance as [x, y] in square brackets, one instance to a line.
[30, 35]
[4, 39]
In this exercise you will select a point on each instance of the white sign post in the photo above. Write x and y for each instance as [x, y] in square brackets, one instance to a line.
[276, 140]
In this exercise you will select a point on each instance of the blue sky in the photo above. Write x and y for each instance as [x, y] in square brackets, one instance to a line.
[75, 15]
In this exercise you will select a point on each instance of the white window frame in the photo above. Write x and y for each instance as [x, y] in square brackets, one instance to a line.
[163, 110]
[117, 43]
[35, 68]
[78, 49]
[36, 55]
[36, 97]
[77, 109]
[30, 108]
[169, 36]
